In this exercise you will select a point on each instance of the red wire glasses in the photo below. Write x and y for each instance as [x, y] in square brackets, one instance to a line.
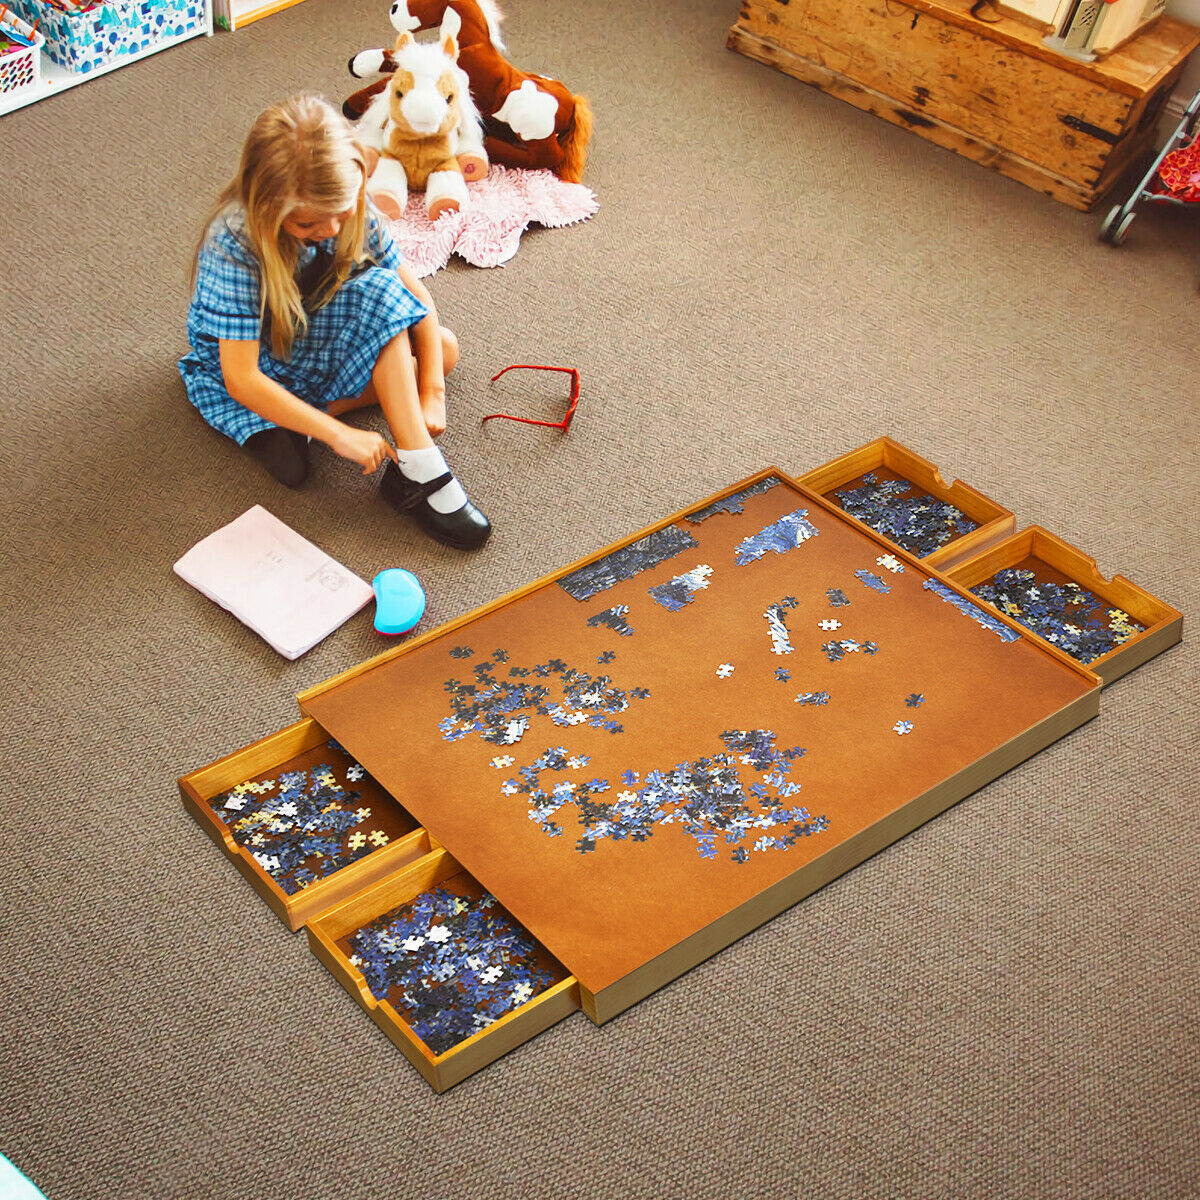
[572, 403]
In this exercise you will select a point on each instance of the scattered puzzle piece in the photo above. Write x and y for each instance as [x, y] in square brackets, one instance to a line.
[614, 618]
[790, 531]
[873, 581]
[776, 616]
[705, 797]
[680, 591]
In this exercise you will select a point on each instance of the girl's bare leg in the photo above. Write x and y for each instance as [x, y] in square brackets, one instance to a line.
[394, 383]
[420, 482]
[369, 395]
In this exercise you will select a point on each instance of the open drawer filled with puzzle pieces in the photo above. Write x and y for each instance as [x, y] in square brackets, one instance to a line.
[440, 966]
[903, 497]
[301, 820]
[1056, 591]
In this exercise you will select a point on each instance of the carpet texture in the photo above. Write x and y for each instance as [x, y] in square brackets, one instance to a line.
[1004, 1003]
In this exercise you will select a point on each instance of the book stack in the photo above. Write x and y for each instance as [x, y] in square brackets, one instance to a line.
[1086, 29]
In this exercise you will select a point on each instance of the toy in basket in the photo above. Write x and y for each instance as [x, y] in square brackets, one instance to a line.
[1173, 178]
[20, 52]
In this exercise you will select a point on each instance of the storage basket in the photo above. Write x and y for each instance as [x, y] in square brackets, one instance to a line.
[82, 41]
[20, 66]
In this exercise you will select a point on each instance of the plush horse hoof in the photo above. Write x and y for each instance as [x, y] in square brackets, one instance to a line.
[474, 166]
[443, 204]
[388, 204]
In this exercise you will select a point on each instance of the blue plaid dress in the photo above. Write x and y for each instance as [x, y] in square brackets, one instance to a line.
[334, 358]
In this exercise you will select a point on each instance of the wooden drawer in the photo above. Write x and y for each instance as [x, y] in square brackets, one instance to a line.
[885, 461]
[438, 875]
[1054, 561]
[305, 747]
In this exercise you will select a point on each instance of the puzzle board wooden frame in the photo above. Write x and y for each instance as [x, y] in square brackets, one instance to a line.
[379, 881]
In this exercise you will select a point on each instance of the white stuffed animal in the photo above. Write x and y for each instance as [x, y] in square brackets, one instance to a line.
[421, 124]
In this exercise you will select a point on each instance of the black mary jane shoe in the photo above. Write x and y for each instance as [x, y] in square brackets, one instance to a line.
[465, 529]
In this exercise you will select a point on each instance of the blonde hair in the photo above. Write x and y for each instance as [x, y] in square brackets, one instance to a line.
[298, 154]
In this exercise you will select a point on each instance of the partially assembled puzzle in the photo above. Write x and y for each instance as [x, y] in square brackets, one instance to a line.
[609, 775]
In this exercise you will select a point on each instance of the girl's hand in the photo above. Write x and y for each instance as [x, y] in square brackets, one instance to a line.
[363, 446]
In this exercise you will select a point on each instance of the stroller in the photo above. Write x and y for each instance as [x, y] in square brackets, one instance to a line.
[1173, 178]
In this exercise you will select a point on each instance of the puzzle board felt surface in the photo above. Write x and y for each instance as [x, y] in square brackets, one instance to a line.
[632, 749]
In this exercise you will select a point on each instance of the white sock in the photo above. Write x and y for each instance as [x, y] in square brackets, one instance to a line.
[423, 465]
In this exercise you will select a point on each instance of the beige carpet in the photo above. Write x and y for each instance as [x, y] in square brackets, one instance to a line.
[1004, 1003]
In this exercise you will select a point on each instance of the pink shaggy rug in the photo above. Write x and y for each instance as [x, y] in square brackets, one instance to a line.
[487, 232]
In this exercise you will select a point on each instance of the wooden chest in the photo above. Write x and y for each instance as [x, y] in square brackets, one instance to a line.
[991, 92]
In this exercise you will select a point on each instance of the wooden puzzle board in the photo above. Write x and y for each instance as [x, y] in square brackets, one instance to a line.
[622, 865]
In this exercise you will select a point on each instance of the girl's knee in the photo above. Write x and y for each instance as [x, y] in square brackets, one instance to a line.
[449, 350]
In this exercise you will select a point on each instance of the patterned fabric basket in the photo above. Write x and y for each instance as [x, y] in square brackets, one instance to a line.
[86, 40]
[20, 66]
[1180, 172]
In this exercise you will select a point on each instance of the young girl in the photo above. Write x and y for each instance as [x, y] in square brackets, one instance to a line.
[303, 309]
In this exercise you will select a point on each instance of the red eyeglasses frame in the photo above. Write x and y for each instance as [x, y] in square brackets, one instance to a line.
[572, 404]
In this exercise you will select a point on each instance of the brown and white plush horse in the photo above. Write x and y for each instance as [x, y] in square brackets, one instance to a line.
[530, 120]
[417, 124]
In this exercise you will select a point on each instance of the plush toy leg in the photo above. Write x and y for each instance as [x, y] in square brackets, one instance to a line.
[367, 62]
[472, 157]
[388, 187]
[445, 191]
[356, 104]
[467, 146]
[532, 156]
[529, 112]
[473, 164]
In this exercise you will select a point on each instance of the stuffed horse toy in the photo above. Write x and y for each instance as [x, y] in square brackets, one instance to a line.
[416, 123]
[531, 120]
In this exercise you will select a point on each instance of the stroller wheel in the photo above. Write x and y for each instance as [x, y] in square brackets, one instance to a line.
[1121, 232]
[1109, 221]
